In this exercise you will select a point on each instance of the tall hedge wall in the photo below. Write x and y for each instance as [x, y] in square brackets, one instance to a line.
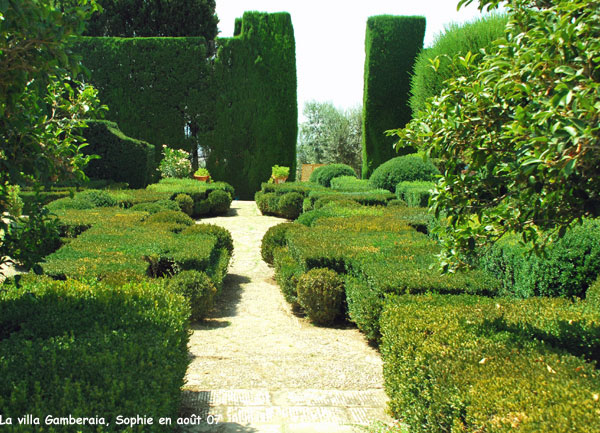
[122, 158]
[256, 112]
[152, 86]
[391, 46]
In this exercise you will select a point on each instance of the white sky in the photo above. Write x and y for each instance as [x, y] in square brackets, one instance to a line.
[330, 37]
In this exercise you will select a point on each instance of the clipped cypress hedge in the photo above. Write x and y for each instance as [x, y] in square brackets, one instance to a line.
[256, 112]
[154, 87]
[122, 158]
[391, 45]
[457, 40]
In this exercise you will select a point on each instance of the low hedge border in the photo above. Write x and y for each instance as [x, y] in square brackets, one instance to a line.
[475, 364]
[90, 350]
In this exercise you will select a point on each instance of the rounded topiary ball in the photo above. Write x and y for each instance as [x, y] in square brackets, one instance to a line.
[290, 205]
[186, 203]
[274, 237]
[323, 175]
[320, 294]
[402, 169]
[219, 202]
[197, 288]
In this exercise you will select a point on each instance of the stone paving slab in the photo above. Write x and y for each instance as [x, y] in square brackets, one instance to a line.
[306, 410]
[257, 367]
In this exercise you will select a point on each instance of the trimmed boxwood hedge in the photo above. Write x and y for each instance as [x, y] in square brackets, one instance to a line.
[324, 174]
[122, 158]
[570, 266]
[415, 194]
[86, 349]
[407, 168]
[209, 198]
[475, 364]
[391, 47]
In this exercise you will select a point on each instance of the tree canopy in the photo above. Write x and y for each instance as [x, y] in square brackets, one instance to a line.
[519, 135]
[42, 106]
[330, 135]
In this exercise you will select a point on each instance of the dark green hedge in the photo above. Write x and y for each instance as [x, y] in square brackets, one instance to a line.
[153, 87]
[458, 39]
[209, 198]
[125, 18]
[122, 158]
[324, 174]
[89, 350]
[406, 168]
[391, 45]
[469, 364]
[380, 252]
[570, 266]
[256, 104]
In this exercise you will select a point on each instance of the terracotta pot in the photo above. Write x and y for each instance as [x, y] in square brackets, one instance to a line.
[201, 178]
[279, 179]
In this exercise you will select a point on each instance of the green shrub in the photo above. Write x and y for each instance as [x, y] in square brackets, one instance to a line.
[252, 129]
[219, 202]
[88, 350]
[396, 203]
[402, 169]
[273, 238]
[169, 216]
[320, 294]
[592, 295]
[69, 203]
[290, 205]
[155, 207]
[31, 198]
[570, 266]
[350, 184]
[122, 158]
[456, 40]
[223, 236]
[392, 44]
[287, 273]
[186, 203]
[373, 197]
[478, 364]
[197, 288]
[99, 198]
[116, 247]
[414, 194]
[323, 175]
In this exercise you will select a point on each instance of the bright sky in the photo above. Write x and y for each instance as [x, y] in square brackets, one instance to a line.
[330, 37]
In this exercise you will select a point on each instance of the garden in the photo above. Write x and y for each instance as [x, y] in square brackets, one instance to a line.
[461, 239]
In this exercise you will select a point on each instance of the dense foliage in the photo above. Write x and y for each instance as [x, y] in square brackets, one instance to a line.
[434, 65]
[256, 109]
[330, 135]
[121, 158]
[391, 46]
[88, 350]
[41, 106]
[143, 18]
[407, 168]
[324, 174]
[135, 78]
[519, 135]
[472, 364]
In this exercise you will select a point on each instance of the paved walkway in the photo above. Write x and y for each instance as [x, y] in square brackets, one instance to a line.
[257, 368]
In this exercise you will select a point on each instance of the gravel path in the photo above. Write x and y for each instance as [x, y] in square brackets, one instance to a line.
[259, 367]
